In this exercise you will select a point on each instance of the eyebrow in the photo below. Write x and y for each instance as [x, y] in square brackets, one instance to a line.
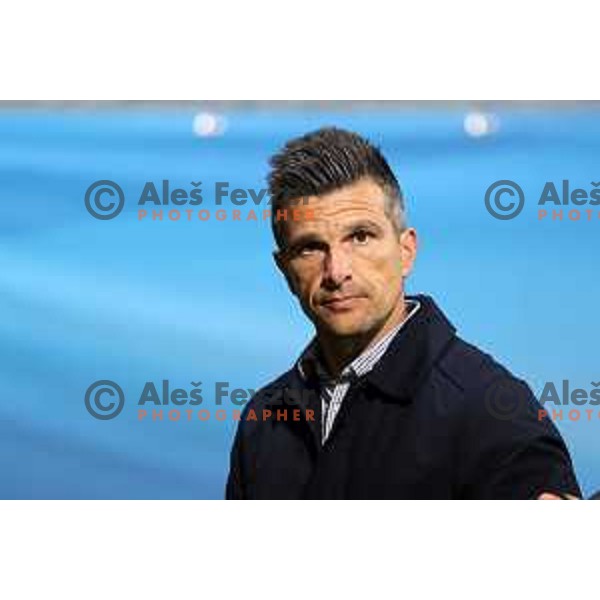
[303, 240]
[363, 224]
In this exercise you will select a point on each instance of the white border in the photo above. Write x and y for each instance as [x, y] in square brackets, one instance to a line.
[310, 50]
[297, 550]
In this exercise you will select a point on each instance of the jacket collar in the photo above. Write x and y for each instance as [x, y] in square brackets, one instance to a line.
[406, 362]
[413, 352]
[398, 374]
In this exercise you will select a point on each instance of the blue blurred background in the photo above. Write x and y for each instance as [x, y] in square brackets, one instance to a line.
[83, 299]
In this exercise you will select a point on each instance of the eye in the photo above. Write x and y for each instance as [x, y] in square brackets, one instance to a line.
[362, 236]
[309, 249]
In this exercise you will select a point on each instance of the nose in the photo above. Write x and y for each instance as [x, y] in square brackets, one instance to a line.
[337, 268]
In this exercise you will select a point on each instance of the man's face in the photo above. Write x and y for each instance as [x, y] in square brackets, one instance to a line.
[346, 264]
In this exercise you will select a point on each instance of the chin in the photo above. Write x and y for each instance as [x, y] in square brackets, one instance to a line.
[346, 328]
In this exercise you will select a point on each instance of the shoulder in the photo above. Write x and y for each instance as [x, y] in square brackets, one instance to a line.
[493, 405]
[506, 444]
[484, 393]
[470, 370]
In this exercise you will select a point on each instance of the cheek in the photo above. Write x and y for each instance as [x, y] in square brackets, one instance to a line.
[391, 264]
[305, 284]
[382, 276]
[380, 264]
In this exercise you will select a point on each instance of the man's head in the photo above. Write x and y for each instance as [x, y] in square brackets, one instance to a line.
[346, 260]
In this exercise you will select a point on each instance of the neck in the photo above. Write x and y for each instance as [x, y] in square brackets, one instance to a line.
[339, 351]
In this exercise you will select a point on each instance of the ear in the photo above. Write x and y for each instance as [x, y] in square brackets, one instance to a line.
[281, 262]
[408, 243]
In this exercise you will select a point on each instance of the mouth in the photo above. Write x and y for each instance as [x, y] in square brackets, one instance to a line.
[340, 303]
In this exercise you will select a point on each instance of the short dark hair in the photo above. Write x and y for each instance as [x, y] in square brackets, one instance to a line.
[325, 160]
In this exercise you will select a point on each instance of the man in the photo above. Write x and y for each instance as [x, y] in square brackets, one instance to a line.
[386, 401]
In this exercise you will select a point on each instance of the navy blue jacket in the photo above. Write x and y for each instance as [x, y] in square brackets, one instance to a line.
[435, 418]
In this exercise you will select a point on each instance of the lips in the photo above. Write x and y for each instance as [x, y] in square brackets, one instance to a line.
[340, 302]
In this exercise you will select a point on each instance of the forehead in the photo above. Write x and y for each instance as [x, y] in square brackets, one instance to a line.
[361, 200]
